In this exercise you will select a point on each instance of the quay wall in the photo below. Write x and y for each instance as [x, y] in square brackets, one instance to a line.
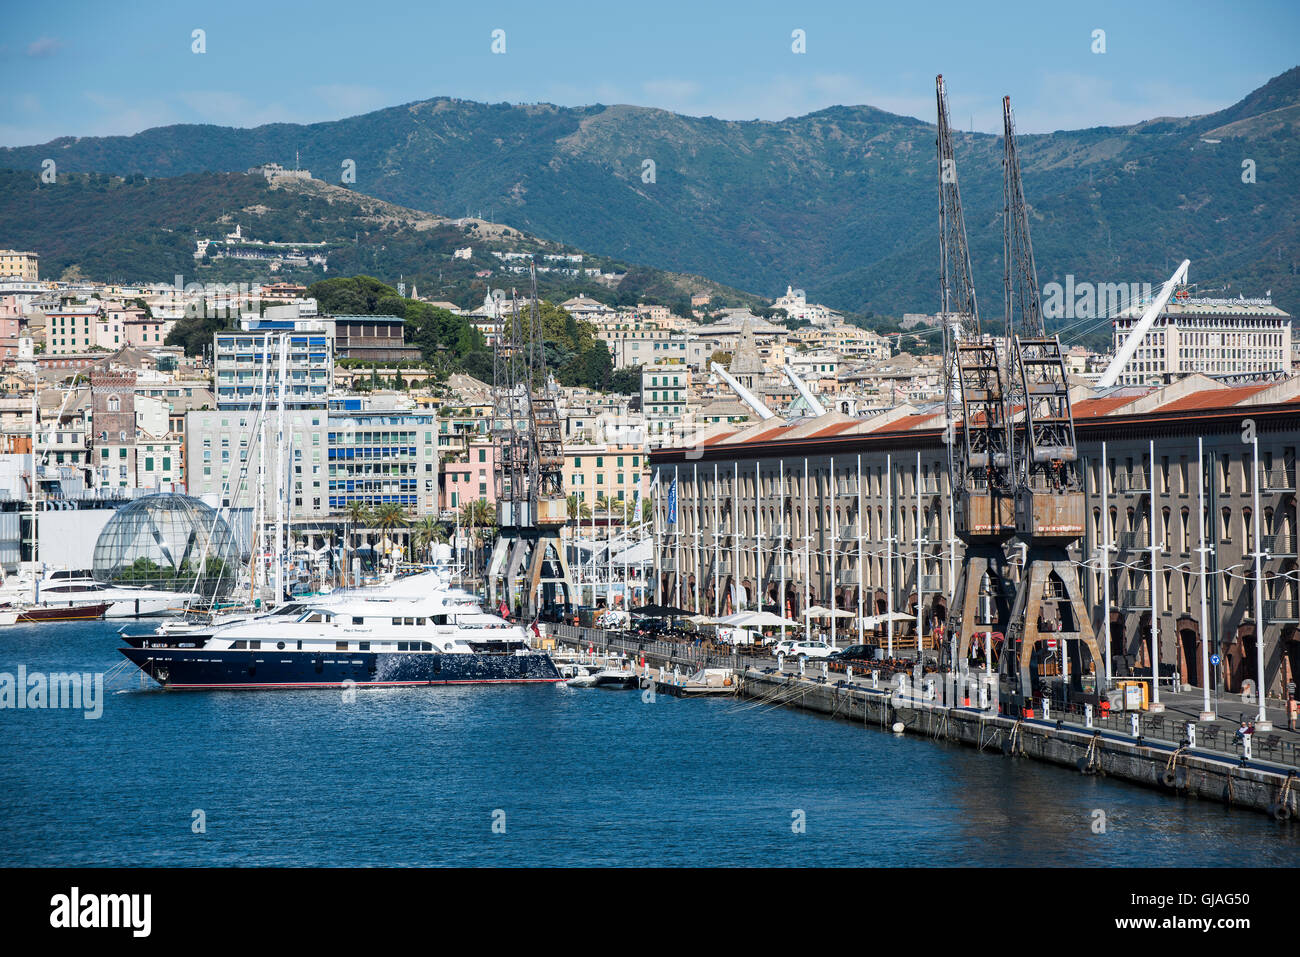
[1190, 773]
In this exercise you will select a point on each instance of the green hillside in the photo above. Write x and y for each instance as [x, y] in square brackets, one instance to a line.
[841, 202]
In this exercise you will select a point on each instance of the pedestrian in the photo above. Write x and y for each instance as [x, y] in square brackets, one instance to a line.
[1242, 731]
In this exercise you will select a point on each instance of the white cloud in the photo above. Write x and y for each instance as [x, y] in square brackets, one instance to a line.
[45, 46]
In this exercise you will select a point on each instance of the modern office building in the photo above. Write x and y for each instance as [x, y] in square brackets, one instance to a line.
[1216, 337]
[242, 359]
[382, 457]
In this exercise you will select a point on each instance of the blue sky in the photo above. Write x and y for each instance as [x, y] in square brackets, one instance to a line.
[95, 68]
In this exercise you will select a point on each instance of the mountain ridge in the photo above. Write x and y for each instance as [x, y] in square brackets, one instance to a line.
[840, 201]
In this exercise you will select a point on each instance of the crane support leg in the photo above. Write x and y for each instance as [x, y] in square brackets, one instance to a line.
[983, 574]
[1049, 606]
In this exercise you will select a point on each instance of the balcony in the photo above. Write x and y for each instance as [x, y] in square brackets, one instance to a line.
[1279, 546]
[1134, 483]
[1282, 611]
[931, 583]
[1277, 479]
[1138, 599]
[1134, 541]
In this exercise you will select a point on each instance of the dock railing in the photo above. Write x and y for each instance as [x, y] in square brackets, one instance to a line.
[1171, 728]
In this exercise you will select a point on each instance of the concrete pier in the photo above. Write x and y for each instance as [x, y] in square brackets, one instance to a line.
[1199, 773]
[1254, 785]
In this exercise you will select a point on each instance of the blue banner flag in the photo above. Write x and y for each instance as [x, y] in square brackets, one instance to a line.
[672, 503]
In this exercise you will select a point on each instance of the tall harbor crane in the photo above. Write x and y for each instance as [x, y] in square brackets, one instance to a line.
[979, 455]
[1049, 503]
[528, 569]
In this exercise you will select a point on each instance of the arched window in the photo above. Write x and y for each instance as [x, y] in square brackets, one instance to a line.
[114, 403]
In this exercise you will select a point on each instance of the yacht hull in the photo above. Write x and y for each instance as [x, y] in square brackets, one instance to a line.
[199, 669]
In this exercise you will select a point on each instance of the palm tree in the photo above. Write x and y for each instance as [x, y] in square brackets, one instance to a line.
[479, 517]
[388, 517]
[428, 531]
[358, 513]
[578, 509]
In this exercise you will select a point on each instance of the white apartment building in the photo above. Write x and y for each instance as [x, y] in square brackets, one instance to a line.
[1215, 337]
[664, 395]
[635, 343]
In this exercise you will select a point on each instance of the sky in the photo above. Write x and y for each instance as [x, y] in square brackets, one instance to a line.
[103, 68]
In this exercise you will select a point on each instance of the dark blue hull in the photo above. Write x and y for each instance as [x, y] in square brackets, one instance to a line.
[197, 669]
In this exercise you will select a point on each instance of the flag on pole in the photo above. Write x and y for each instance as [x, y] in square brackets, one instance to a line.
[672, 503]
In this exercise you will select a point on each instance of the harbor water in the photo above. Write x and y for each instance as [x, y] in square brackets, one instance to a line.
[544, 775]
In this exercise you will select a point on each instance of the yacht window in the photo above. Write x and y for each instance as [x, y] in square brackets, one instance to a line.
[410, 621]
[254, 643]
[426, 646]
[419, 621]
[440, 619]
[365, 646]
[358, 620]
[300, 646]
[402, 646]
[397, 621]
[340, 646]
[239, 645]
[279, 645]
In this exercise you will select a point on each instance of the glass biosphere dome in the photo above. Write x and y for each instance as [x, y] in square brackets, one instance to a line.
[171, 542]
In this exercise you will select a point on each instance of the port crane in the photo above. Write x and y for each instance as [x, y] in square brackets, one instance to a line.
[528, 568]
[1049, 501]
[979, 453]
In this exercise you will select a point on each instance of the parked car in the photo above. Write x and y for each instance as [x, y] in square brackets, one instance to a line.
[856, 653]
[811, 649]
[784, 647]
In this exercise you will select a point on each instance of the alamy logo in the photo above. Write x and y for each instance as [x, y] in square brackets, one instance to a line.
[37, 690]
[1091, 300]
[102, 910]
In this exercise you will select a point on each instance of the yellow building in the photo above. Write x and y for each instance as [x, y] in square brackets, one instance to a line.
[614, 471]
[15, 264]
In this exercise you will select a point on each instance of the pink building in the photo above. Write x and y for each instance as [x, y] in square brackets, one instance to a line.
[11, 314]
[469, 476]
[147, 333]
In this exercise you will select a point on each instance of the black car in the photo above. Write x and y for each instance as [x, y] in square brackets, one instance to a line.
[856, 653]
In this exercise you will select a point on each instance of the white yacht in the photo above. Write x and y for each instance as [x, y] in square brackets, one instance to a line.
[70, 588]
[415, 631]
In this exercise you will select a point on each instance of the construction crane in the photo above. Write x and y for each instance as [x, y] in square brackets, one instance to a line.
[1049, 503]
[528, 569]
[979, 456]
[814, 403]
[751, 400]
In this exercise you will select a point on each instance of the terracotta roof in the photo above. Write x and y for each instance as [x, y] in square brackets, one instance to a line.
[907, 422]
[835, 429]
[1103, 405]
[717, 438]
[1215, 398]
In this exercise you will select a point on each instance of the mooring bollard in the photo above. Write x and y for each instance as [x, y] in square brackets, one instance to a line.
[1047, 705]
[1191, 734]
[1087, 716]
[780, 662]
[802, 662]
[1133, 720]
[826, 668]
[875, 678]
[848, 673]
[1245, 746]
